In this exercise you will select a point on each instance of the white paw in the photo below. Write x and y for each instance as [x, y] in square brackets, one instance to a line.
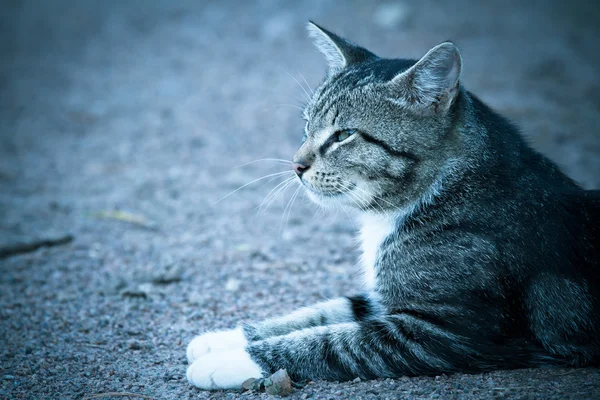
[215, 341]
[223, 370]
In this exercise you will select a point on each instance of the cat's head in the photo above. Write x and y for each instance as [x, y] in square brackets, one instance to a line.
[375, 127]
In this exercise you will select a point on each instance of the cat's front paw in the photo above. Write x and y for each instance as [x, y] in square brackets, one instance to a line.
[215, 341]
[223, 370]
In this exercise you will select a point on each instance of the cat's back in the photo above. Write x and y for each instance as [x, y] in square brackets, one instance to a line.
[546, 229]
[525, 197]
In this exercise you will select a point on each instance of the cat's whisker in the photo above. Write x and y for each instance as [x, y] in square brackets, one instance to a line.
[394, 206]
[308, 97]
[288, 206]
[303, 102]
[368, 205]
[277, 160]
[285, 181]
[288, 105]
[277, 177]
[307, 85]
[354, 198]
[291, 206]
[279, 192]
[274, 193]
[361, 200]
[319, 212]
[375, 207]
[348, 215]
[251, 182]
[358, 200]
[377, 197]
[346, 188]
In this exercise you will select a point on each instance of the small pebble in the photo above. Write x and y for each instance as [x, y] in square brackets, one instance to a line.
[279, 384]
[134, 293]
[134, 345]
[258, 385]
[248, 384]
[168, 274]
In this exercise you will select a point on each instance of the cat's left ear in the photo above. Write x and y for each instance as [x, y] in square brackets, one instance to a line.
[338, 51]
[431, 85]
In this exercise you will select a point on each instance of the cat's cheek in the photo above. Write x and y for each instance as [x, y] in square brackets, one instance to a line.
[223, 370]
[215, 341]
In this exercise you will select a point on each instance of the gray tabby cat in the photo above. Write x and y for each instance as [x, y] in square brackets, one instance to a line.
[479, 254]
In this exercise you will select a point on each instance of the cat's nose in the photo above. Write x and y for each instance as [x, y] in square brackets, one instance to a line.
[299, 168]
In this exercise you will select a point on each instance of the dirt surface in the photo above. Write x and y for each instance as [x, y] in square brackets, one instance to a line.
[122, 123]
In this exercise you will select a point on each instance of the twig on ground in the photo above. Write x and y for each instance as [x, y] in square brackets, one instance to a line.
[21, 248]
[134, 219]
[116, 394]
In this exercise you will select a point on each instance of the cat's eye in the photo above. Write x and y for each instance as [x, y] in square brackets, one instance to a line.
[340, 136]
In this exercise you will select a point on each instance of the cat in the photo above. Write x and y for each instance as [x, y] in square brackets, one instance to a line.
[479, 254]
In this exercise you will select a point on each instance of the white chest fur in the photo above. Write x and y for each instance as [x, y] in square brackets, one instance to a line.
[375, 228]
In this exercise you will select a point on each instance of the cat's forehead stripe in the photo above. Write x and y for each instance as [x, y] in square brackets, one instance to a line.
[331, 92]
[325, 102]
[381, 70]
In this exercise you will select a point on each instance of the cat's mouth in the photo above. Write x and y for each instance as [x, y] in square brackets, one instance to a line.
[332, 189]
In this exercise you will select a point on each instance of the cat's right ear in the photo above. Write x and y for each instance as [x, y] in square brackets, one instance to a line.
[432, 84]
[338, 51]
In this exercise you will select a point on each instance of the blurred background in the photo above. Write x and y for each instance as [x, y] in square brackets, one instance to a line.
[123, 122]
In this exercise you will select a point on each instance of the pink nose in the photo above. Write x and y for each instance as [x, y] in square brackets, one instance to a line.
[299, 168]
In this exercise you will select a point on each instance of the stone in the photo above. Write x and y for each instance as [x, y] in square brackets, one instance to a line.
[279, 384]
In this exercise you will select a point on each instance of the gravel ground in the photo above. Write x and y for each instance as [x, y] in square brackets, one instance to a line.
[122, 123]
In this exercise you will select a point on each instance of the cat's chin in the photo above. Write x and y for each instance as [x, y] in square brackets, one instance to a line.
[330, 200]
